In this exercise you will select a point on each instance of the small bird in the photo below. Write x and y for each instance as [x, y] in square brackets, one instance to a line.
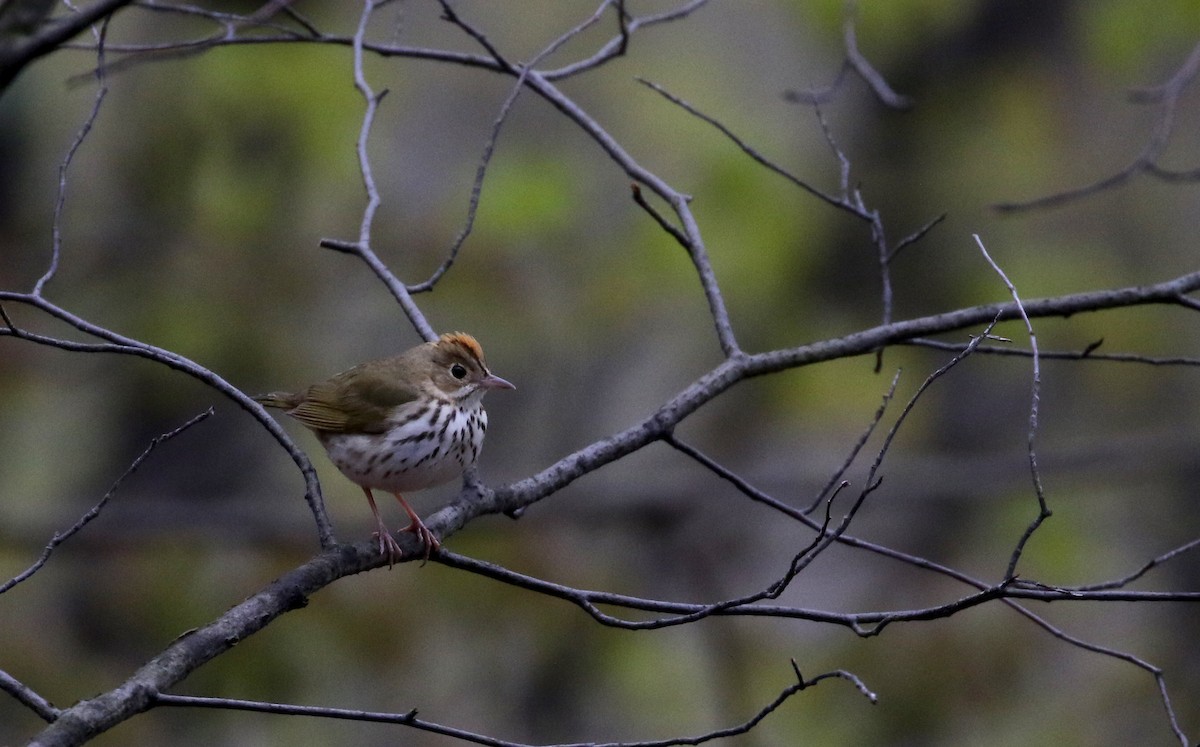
[401, 424]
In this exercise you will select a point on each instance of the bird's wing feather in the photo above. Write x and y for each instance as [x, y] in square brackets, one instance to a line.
[355, 401]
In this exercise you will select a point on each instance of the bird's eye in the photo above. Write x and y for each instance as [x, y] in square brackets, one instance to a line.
[458, 371]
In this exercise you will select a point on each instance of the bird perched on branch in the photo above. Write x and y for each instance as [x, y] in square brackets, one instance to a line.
[400, 424]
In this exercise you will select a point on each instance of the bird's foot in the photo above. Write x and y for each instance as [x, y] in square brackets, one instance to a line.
[388, 546]
[430, 542]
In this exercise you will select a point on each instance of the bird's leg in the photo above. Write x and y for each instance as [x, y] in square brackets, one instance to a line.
[417, 527]
[387, 543]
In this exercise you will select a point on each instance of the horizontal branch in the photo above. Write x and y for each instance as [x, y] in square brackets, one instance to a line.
[410, 718]
[864, 624]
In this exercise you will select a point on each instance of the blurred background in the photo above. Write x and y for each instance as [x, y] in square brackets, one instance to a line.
[193, 216]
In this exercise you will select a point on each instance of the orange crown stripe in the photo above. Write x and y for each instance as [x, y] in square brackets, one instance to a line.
[465, 340]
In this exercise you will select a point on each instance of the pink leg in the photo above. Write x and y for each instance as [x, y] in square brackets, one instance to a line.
[417, 527]
[387, 543]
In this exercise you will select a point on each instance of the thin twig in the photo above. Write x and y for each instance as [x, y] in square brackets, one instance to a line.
[749, 150]
[1167, 96]
[410, 718]
[854, 61]
[362, 249]
[1031, 435]
[94, 512]
[867, 72]
[914, 237]
[122, 345]
[449, 14]
[1086, 354]
[865, 436]
[56, 226]
[1155, 672]
[618, 45]
[490, 145]
[659, 218]
[1123, 581]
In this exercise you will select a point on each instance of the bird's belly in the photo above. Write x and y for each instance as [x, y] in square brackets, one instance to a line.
[396, 462]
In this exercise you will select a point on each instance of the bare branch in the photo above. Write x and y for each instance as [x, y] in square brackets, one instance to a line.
[618, 45]
[857, 62]
[1063, 355]
[490, 145]
[44, 709]
[449, 14]
[658, 217]
[410, 718]
[733, 370]
[867, 72]
[1154, 671]
[127, 346]
[836, 477]
[196, 647]
[1167, 96]
[762, 160]
[1031, 435]
[94, 512]
[56, 226]
[26, 35]
[1122, 582]
[678, 201]
[362, 249]
[914, 237]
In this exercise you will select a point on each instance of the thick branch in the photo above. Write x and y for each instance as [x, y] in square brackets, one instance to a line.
[25, 35]
[88, 718]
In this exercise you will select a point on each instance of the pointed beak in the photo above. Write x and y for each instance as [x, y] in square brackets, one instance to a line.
[492, 381]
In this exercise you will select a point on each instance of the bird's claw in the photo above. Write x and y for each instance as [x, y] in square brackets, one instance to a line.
[426, 537]
[389, 546]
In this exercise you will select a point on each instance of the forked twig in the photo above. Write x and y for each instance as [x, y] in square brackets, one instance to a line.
[362, 248]
[490, 144]
[1167, 96]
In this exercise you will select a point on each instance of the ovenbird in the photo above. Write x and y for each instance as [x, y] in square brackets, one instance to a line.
[401, 424]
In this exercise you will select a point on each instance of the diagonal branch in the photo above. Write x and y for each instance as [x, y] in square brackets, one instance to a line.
[696, 249]
[25, 695]
[94, 512]
[1167, 96]
[56, 225]
[490, 145]
[744, 366]
[116, 343]
[26, 34]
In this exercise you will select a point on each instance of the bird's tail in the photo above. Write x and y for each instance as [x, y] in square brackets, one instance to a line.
[282, 400]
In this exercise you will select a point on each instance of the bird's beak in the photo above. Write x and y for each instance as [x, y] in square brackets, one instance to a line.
[492, 381]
